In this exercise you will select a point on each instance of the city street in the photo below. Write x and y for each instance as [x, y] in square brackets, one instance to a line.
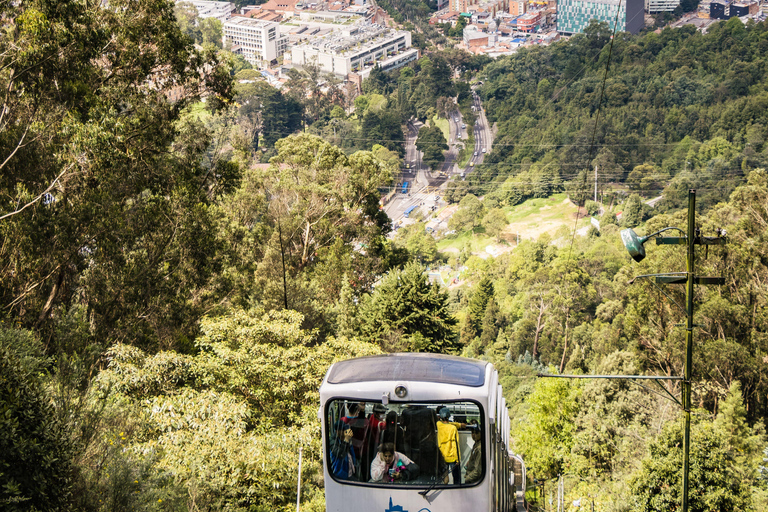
[424, 189]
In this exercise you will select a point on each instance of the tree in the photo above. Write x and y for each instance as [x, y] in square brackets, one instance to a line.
[420, 244]
[456, 189]
[495, 221]
[228, 422]
[491, 324]
[658, 484]
[546, 436]
[210, 31]
[325, 192]
[271, 114]
[633, 211]
[187, 17]
[405, 305]
[432, 143]
[476, 308]
[383, 127]
[105, 198]
[468, 216]
[35, 449]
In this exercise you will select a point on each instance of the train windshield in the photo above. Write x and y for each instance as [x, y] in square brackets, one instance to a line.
[405, 444]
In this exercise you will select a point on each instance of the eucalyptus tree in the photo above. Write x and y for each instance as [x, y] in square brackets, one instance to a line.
[103, 200]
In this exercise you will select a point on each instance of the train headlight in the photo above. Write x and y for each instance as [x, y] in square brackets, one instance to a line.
[401, 392]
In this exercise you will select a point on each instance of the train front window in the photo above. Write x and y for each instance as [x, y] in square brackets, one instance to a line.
[409, 444]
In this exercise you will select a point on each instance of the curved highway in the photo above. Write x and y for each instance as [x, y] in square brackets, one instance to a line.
[423, 186]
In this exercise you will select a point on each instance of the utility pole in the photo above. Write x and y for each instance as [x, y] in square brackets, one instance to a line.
[595, 183]
[634, 245]
[691, 239]
[688, 342]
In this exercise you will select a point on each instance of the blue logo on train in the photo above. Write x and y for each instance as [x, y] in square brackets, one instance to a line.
[399, 508]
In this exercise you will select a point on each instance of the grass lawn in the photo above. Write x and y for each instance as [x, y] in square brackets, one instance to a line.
[443, 125]
[455, 243]
[529, 220]
[538, 216]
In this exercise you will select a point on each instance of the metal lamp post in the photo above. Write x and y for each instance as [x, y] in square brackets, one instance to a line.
[634, 245]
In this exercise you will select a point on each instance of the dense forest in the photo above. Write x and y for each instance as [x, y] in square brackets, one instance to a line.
[183, 255]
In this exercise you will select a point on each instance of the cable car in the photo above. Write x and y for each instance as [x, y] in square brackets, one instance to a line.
[416, 432]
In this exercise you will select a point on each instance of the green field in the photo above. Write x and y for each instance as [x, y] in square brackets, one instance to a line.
[553, 215]
[443, 125]
[538, 216]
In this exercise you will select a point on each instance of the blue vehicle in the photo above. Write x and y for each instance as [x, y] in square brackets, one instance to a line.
[405, 187]
[408, 211]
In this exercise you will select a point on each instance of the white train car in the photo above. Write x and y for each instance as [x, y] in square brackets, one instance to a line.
[417, 405]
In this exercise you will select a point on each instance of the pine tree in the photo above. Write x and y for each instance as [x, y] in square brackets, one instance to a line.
[405, 303]
[346, 310]
[468, 330]
[491, 324]
[479, 301]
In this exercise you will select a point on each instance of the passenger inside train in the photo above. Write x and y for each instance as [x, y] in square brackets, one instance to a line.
[412, 432]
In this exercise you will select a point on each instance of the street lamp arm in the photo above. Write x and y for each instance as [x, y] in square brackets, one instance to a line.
[648, 237]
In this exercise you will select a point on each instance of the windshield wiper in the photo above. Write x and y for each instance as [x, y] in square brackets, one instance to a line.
[425, 492]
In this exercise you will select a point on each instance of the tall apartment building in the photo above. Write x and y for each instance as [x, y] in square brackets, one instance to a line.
[357, 49]
[517, 7]
[573, 16]
[258, 41]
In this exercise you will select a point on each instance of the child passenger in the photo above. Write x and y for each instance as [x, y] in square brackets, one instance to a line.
[392, 466]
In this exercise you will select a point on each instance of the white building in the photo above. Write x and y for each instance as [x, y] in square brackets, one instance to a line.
[654, 6]
[209, 9]
[259, 42]
[357, 49]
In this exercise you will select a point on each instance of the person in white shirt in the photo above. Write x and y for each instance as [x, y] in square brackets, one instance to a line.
[391, 466]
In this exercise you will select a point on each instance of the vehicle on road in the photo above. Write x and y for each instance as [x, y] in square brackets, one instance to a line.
[417, 394]
[475, 153]
[484, 150]
[409, 211]
[405, 187]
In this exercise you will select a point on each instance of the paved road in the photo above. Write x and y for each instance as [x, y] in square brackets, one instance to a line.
[424, 185]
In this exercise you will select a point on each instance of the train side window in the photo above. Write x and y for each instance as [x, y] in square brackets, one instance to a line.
[357, 429]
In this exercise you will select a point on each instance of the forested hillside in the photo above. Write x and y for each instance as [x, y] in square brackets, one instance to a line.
[183, 255]
[676, 109]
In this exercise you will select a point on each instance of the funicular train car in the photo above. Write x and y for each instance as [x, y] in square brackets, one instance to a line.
[410, 404]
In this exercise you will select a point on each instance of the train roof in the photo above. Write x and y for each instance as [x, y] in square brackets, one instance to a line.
[416, 367]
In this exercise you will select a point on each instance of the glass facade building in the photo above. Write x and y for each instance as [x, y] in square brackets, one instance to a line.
[573, 16]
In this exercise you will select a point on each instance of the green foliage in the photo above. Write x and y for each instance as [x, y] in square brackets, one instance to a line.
[227, 422]
[383, 127]
[36, 468]
[407, 313]
[476, 307]
[546, 437]
[271, 115]
[495, 221]
[469, 215]
[658, 99]
[124, 228]
[657, 485]
[419, 244]
[614, 413]
[431, 142]
[633, 211]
